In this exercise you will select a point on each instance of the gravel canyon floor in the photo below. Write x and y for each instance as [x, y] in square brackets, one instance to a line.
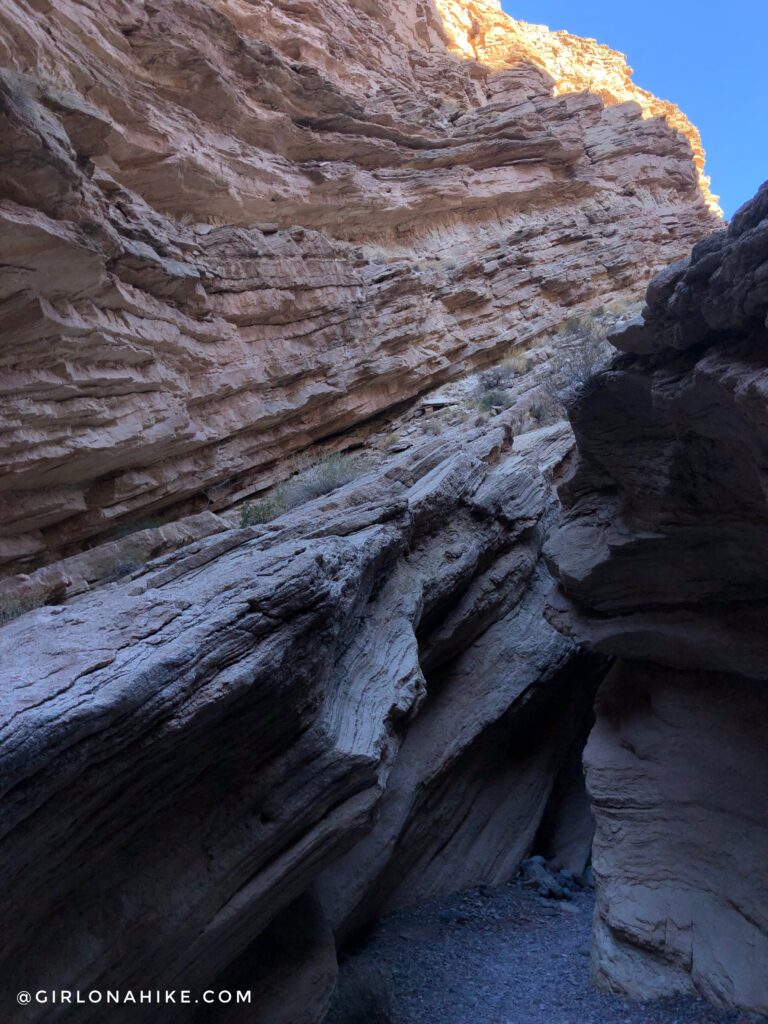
[507, 956]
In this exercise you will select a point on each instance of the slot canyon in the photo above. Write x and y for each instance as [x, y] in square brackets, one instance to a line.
[383, 519]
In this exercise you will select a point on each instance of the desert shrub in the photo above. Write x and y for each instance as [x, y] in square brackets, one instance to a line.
[254, 513]
[308, 483]
[321, 478]
[495, 378]
[537, 413]
[624, 306]
[581, 352]
[364, 995]
[493, 400]
[388, 440]
[457, 416]
[12, 607]
[518, 364]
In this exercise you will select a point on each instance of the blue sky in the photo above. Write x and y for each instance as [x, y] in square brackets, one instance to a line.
[710, 59]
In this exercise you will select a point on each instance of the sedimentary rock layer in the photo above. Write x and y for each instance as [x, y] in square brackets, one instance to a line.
[662, 553]
[230, 230]
[677, 767]
[185, 752]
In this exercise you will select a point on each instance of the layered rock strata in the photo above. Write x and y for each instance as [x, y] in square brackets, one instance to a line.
[662, 553]
[189, 751]
[231, 230]
[482, 31]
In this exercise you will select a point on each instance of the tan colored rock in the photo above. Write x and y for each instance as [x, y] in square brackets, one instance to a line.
[230, 230]
[482, 31]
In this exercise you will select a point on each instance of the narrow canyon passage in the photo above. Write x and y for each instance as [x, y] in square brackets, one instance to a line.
[503, 955]
[383, 501]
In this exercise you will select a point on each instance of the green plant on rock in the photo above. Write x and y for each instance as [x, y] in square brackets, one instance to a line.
[255, 513]
[313, 481]
[491, 400]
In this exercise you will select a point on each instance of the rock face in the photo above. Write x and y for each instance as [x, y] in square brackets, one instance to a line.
[287, 721]
[230, 230]
[662, 553]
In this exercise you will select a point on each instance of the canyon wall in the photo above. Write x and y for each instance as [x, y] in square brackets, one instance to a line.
[661, 555]
[231, 230]
[212, 764]
[235, 230]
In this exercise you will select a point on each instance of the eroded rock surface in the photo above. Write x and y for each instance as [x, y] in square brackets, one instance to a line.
[677, 766]
[232, 229]
[188, 751]
[662, 553]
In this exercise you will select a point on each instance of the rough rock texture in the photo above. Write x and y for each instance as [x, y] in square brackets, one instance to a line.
[185, 752]
[482, 31]
[677, 767]
[476, 770]
[231, 229]
[662, 553]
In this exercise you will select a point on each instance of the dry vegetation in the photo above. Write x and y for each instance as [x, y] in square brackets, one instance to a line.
[310, 481]
[12, 607]
[540, 384]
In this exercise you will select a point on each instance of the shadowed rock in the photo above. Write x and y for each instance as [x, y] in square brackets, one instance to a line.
[186, 751]
[661, 559]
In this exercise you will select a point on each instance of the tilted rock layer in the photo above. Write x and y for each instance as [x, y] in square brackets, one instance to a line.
[663, 552]
[188, 753]
[230, 230]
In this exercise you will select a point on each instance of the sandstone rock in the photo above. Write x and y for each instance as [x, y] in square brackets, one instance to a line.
[484, 32]
[678, 768]
[722, 290]
[661, 559]
[187, 750]
[534, 875]
[290, 971]
[230, 231]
